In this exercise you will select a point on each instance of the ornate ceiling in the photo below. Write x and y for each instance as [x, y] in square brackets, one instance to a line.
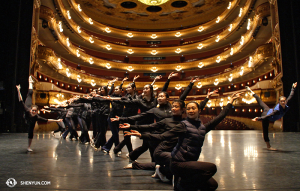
[214, 40]
[134, 15]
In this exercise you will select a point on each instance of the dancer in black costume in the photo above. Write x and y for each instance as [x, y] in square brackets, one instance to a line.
[162, 152]
[272, 114]
[31, 112]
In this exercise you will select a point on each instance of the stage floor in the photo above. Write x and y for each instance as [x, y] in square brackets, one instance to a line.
[243, 163]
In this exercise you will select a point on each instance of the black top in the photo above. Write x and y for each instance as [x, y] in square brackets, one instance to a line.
[143, 104]
[31, 120]
[158, 113]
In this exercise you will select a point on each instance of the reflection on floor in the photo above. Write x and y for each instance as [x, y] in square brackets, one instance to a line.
[242, 161]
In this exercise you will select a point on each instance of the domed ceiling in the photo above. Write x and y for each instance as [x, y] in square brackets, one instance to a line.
[134, 15]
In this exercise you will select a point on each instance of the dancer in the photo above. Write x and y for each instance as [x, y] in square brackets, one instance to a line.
[31, 111]
[147, 102]
[117, 109]
[162, 134]
[191, 174]
[129, 110]
[272, 114]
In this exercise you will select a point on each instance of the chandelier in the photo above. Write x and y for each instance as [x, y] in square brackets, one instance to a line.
[153, 2]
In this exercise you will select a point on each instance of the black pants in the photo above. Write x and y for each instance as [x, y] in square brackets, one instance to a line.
[133, 155]
[143, 166]
[194, 175]
[100, 139]
[96, 124]
[265, 122]
[126, 141]
[163, 158]
[84, 124]
[61, 127]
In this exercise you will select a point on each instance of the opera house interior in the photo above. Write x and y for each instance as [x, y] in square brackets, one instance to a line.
[73, 47]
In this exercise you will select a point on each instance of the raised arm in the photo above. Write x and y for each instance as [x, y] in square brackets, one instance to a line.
[135, 77]
[204, 102]
[168, 81]
[213, 123]
[156, 78]
[19, 93]
[188, 89]
[292, 93]
[112, 86]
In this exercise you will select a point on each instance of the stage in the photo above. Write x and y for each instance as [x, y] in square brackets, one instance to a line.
[241, 157]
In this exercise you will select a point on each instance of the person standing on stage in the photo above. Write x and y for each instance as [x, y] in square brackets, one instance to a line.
[31, 112]
[272, 114]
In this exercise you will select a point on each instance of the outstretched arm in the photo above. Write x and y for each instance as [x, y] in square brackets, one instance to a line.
[135, 77]
[142, 128]
[138, 117]
[204, 102]
[213, 123]
[19, 93]
[156, 78]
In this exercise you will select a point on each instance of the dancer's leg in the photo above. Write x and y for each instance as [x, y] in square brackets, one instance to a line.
[194, 174]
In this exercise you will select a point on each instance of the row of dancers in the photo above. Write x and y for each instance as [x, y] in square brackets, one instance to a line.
[174, 142]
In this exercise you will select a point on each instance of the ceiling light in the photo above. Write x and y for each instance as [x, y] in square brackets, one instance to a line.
[68, 42]
[242, 40]
[218, 38]
[91, 61]
[154, 52]
[216, 82]
[78, 78]
[130, 51]
[230, 27]
[249, 24]
[107, 30]
[178, 50]
[79, 8]
[155, 87]
[250, 62]
[178, 87]
[59, 63]
[200, 46]
[93, 82]
[218, 20]
[91, 21]
[231, 51]
[153, 36]
[78, 29]
[153, 2]
[67, 72]
[130, 35]
[218, 60]
[60, 26]
[91, 40]
[241, 11]
[108, 47]
[77, 53]
[230, 78]
[229, 6]
[242, 71]
[68, 14]
[178, 34]
[154, 69]
[200, 65]
[178, 68]
[130, 68]
[199, 85]
[108, 66]
[201, 28]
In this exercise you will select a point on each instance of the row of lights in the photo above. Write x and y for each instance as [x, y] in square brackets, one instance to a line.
[154, 36]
